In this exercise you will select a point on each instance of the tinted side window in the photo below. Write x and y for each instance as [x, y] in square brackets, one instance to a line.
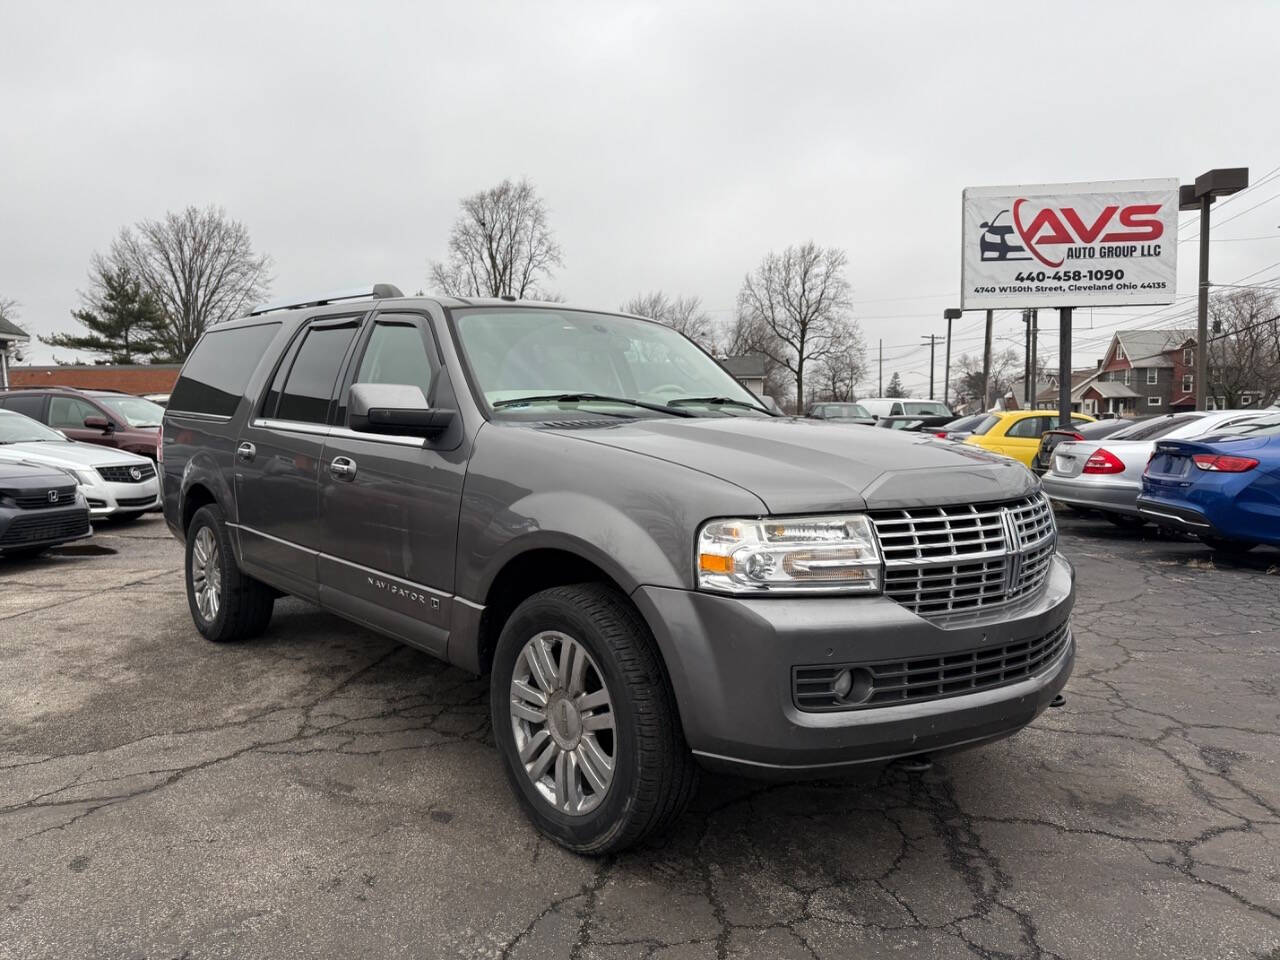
[1028, 428]
[70, 412]
[396, 353]
[217, 371]
[985, 424]
[28, 406]
[309, 386]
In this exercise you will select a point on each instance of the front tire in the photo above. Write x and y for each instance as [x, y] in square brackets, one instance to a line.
[226, 605]
[586, 722]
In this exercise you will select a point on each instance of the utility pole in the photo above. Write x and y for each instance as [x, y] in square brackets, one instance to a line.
[1064, 366]
[932, 338]
[986, 366]
[880, 392]
[949, 314]
[1207, 188]
[1035, 361]
[1027, 388]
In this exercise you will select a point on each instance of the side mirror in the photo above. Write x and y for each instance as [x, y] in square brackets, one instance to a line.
[396, 409]
[98, 423]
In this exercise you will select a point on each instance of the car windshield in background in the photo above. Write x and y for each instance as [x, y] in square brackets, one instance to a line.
[844, 411]
[1156, 428]
[925, 408]
[15, 428]
[135, 411]
[525, 358]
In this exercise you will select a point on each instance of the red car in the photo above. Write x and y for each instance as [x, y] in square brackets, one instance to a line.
[107, 417]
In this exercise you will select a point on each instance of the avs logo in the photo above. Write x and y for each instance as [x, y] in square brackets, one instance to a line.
[1055, 234]
[994, 242]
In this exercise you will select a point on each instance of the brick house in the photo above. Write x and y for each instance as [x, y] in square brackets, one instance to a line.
[1146, 372]
[135, 378]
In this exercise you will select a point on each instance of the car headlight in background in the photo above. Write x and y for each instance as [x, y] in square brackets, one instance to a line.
[831, 554]
[85, 478]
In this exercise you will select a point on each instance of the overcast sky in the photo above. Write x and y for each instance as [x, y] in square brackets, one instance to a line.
[674, 144]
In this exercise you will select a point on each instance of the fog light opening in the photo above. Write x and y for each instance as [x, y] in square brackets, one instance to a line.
[853, 685]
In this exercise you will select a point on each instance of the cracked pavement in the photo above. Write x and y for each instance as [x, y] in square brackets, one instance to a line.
[325, 792]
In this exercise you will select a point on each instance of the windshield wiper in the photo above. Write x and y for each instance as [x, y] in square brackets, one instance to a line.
[718, 402]
[589, 397]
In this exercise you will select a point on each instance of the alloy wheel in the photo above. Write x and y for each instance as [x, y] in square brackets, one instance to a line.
[206, 574]
[563, 720]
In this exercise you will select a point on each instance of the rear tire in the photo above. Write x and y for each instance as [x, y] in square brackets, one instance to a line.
[1228, 547]
[586, 722]
[1125, 521]
[226, 605]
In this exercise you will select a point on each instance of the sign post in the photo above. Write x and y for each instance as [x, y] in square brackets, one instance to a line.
[1067, 245]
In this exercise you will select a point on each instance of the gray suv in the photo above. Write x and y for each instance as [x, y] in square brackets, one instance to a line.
[656, 572]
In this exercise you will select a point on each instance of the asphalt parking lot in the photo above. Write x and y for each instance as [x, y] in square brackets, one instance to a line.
[322, 792]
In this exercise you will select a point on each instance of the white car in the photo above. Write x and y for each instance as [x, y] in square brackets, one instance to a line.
[1106, 474]
[904, 407]
[119, 485]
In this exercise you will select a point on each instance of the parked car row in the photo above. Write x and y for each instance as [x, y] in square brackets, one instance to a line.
[1213, 474]
[97, 463]
[1224, 488]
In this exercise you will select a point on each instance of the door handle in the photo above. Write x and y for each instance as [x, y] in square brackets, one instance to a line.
[246, 452]
[343, 468]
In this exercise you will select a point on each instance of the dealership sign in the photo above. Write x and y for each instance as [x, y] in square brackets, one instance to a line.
[1070, 244]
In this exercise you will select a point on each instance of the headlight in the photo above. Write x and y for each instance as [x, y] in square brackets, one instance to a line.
[833, 554]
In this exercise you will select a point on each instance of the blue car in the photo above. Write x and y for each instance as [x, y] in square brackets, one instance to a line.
[1223, 488]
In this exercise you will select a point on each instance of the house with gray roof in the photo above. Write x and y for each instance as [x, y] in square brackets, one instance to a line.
[10, 336]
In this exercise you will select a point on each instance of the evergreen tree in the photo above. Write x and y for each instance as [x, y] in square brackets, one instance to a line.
[895, 388]
[123, 321]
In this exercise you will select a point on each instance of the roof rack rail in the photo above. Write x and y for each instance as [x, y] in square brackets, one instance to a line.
[376, 291]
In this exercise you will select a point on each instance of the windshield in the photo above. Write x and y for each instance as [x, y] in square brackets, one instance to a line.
[844, 411]
[924, 408]
[15, 428]
[135, 411]
[524, 352]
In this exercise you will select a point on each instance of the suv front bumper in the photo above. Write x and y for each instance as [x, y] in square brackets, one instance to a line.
[731, 660]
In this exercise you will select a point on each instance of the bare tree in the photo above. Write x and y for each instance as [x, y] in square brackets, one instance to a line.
[966, 378]
[1244, 352]
[795, 307]
[840, 372]
[501, 245]
[682, 314]
[198, 266]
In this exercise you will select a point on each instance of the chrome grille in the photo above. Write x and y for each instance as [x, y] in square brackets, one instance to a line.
[946, 559]
[118, 474]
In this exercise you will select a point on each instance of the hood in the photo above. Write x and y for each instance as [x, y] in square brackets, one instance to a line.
[20, 474]
[69, 454]
[799, 466]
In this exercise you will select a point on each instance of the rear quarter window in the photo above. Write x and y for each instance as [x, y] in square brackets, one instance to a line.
[219, 368]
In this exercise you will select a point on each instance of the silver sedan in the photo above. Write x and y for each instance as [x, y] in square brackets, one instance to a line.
[1106, 474]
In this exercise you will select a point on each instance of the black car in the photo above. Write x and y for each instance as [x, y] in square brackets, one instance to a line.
[918, 424]
[841, 413]
[1043, 461]
[39, 507]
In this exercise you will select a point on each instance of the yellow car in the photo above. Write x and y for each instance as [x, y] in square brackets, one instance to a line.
[1016, 433]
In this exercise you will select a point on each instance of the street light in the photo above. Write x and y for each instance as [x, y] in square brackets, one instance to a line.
[949, 314]
[1198, 196]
